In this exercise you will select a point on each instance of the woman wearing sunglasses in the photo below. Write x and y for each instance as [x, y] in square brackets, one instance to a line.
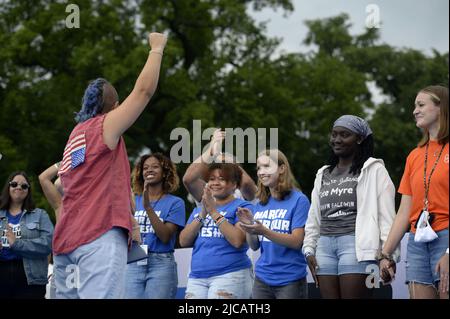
[26, 237]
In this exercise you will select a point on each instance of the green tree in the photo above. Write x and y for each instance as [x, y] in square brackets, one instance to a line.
[44, 68]
[218, 67]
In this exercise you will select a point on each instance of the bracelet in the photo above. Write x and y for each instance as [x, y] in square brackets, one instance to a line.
[57, 165]
[156, 51]
[382, 256]
[308, 253]
[199, 219]
[221, 221]
[218, 218]
[136, 227]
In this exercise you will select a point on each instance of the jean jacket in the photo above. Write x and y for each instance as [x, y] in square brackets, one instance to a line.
[35, 244]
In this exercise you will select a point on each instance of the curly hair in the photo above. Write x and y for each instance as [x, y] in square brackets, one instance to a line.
[5, 199]
[170, 182]
[229, 171]
[286, 181]
[363, 152]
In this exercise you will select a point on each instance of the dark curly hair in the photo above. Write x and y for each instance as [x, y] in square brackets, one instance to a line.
[5, 199]
[229, 171]
[171, 181]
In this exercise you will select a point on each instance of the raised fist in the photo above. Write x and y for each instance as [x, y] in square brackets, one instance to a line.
[157, 41]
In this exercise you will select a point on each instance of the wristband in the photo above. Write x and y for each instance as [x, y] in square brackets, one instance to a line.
[156, 51]
[308, 253]
[221, 221]
[218, 218]
[199, 219]
[446, 251]
[382, 256]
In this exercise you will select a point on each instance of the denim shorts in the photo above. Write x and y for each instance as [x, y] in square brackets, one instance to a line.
[336, 255]
[421, 258]
[233, 285]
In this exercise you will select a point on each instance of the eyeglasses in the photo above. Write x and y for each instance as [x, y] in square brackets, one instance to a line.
[23, 186]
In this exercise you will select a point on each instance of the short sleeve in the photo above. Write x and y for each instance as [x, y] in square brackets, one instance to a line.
[177, 213]
[300, 213]
[405, 183]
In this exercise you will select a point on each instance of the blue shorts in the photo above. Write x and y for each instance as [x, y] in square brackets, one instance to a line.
[336, 255]
[422, 258]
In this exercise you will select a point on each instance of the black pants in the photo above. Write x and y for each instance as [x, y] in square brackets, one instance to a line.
[13, 282]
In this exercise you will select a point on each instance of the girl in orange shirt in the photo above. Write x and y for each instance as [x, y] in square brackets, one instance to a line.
[424, 188]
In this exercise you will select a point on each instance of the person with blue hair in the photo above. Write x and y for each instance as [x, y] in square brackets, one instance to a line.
[95, 223]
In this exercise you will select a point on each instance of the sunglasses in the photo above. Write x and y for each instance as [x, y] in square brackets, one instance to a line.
[23, 186]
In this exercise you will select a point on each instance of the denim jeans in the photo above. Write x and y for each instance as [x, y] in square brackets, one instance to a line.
[94, 270]
[422, 258]
[232, 285]
[295, 290]
[158, 279]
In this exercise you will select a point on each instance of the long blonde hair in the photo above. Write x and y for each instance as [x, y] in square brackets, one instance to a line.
[286, 181]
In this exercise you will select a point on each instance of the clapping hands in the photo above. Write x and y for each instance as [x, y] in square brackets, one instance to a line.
[209, 204]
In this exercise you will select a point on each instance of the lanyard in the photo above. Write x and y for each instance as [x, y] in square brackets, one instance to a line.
[425, 184]
[146, 215]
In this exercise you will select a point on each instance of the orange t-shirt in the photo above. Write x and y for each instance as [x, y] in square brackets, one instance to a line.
[412, 184]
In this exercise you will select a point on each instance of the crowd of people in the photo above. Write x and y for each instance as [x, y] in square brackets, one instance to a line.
[101, 208]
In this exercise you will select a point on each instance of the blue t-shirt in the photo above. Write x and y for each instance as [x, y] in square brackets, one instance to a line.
[170, 209]
[279, 265]
[14, 222]
[212, 254]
